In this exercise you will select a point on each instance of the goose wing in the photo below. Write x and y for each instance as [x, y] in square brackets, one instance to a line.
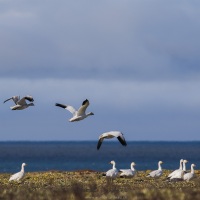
[155, 173]
[101, 138]
[188, 176]
[15, 176]
[122, 140]
[82, 109]
[14, 98]
[173, 173]
[99, 143]
[126, 172]
[112, 173]
[71, 109]
[29, 98]
[119, 136]
[22, 101]
[178, 175]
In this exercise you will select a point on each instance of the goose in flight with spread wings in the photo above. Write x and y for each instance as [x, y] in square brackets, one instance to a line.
[77, 114]
[21, 104]
[109, 135]
[18, 175]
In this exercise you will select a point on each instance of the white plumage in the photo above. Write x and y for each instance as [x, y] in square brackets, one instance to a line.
[189, 175]
[178, 175]
[184, 166]
[156, 173]
[109, 135]
[177, 170]
[19, 175]
[77, 114]
[128, 172]
[20, 104]
[112, 173]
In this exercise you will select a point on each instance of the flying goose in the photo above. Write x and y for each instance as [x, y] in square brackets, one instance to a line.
[112, 173]
[189, 175]
[109, 135]
[156, 173]
[128, 172]
[77, 114]
[19, 175]
[20, 104]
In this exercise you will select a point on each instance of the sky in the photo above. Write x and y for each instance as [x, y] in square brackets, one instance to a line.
[136, 61]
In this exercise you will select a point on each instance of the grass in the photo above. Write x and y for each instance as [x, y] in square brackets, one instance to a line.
[88, 185]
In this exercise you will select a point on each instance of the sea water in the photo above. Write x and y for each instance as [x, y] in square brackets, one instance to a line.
[72, 156]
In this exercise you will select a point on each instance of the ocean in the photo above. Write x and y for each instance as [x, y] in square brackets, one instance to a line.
[72, 156]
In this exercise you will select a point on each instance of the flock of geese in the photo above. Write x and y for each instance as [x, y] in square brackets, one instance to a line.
[177, 175]
[77, 115]
[80, 114]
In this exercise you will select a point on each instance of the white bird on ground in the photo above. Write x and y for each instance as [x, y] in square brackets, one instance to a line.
[189, 175]
[21, 104]
[178, 175]
[177, 170]
[112, 173]
[156, 173]
[77, 114]
[128, 172]
[109, 135]
[19, 175]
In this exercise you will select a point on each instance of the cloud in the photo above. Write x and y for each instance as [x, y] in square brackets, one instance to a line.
[103, 40]
[136, 61]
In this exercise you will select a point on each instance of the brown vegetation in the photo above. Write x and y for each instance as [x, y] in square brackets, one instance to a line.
[87, 184]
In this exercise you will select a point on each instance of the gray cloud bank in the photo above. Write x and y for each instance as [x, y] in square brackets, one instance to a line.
[84, 39]
[136, 61]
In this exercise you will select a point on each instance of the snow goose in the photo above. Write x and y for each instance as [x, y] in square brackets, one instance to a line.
[189, 175]
[111, 134]
[178, 175]
[112, 173]
[19, 175]
[156, 173]
[128, 172]
[177, 170]
[20, 104]
[77, 114]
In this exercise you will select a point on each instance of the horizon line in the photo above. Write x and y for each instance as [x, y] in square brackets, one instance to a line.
[97, 141]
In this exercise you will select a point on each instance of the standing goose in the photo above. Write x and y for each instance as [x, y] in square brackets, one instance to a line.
[156, 173]
[109, 135]
[77, 114]
[177, 170]
[189, 175]
[128, 172]
[19, 175]
[178, 175]
[112, 173]
[21, 104]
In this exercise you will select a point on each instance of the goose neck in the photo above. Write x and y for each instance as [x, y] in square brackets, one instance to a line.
[192, 169]
[159, 166]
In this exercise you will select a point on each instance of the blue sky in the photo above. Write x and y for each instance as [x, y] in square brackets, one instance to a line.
[136, 61]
